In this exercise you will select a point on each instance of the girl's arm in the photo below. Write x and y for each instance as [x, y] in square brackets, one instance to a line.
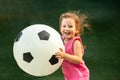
[76, 58]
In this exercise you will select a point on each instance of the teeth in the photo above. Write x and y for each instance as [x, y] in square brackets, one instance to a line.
[67, 33]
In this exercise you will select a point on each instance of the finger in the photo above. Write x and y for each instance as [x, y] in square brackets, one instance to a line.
[61, 49]
[58, 57]
[56, 53]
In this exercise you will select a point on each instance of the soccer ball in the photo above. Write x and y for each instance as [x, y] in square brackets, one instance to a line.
[34, 50]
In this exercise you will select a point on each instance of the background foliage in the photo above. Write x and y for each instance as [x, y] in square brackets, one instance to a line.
[102, 52]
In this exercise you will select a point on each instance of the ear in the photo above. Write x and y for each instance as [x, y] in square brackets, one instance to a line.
[76, 31]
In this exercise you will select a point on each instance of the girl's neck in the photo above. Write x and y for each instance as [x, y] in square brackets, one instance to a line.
[67, 40]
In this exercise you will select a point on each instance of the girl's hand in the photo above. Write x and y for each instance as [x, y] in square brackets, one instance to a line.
[60, 54]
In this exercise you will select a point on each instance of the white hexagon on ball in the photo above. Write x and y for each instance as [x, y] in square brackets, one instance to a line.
[34, 49]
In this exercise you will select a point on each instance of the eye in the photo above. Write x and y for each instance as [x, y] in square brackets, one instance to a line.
[70, 26]
[63, 26]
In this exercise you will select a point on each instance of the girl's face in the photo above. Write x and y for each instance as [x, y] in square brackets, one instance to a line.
[67, 28]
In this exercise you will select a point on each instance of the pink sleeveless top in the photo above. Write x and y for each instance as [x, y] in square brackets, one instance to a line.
[73, 71]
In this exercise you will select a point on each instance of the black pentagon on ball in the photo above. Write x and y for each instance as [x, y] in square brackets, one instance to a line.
[53, 60]
[27, 57]
[18, 37]
[43, 35]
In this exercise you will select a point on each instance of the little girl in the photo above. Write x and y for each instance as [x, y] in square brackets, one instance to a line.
[71, 27]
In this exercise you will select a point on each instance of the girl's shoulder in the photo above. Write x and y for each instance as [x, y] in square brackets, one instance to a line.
[72, 40]
[77, 38]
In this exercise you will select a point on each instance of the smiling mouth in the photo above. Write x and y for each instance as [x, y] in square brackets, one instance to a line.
[67, 33]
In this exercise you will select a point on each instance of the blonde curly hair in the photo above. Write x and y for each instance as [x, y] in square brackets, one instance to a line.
[80, 20]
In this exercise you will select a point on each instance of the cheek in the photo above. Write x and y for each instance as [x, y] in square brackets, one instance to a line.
[61, 30]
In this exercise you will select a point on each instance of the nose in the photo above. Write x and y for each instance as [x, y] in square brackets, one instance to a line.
[66, 28]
